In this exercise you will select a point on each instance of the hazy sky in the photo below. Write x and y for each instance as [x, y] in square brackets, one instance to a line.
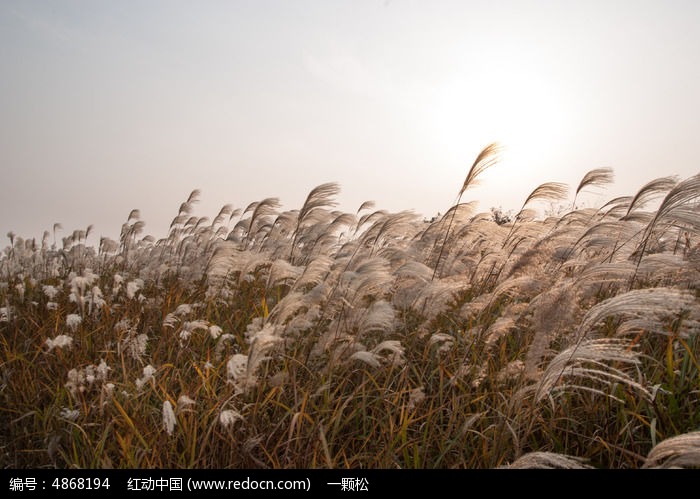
[107, 106]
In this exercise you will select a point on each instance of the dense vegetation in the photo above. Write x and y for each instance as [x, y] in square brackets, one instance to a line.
[316, 338]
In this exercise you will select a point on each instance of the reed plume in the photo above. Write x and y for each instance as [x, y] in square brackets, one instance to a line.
[488, 157]
[319, 197]
[594, 178]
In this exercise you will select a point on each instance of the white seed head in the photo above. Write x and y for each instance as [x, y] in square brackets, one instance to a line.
[60, 341]
[73, 321]
[169, 420]
[228, 417]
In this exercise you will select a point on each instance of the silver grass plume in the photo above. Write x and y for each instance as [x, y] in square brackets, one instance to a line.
[328, 237]
[341, 220]
[226, 210]
[488, 157]
[227, 259]
[259, 236]
[194, 196]
[523, 286]
[295, 303]
[551, 191]
[282, 271]
[462, 211]
[276, 239]
[548, 252]
[458, 215]
[608, 238]
[369, 218]
[186, 208]
[501, 327]
[587, 361]
[435, 296]
[414, 270]
[367, 205]
[681, 202]
[319, 197]
[260, 211]
[410, 278]
[655, 268]
[444, 340]
[651, 190]
[314, 273]
[616, 207]
[552, 310]
[369, 358]
[389, 227]
[373, 358]
[316, 239]
[242, 369]
[547, 460]
[681, 451]
[378, 318]
[169, 419]
[397, 256]
[579, 218]
[287, 307]
[604, 273]
[372, 277]
[596, 178]
[133, 215]
[653, 303]
[671, 267]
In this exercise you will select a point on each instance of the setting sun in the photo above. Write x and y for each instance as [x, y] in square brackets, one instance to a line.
[507, 100]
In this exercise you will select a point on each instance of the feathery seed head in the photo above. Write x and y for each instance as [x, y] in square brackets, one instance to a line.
[169, 419]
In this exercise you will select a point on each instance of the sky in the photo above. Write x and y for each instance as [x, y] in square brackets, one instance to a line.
[111, 106]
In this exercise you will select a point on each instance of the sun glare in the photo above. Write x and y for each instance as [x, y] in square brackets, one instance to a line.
[512, 103]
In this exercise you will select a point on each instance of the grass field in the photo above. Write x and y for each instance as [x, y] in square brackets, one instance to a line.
[314, 338]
